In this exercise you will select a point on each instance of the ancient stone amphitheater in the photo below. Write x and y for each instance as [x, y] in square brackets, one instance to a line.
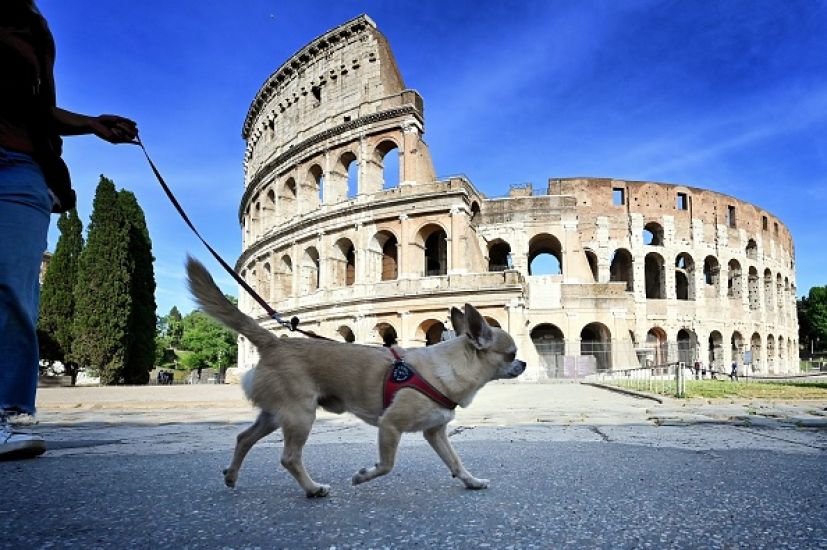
[585, 273]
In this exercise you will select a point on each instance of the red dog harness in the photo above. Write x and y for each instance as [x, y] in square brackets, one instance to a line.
[402, 375]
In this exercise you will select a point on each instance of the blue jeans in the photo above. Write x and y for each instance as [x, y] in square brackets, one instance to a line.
[25, 206]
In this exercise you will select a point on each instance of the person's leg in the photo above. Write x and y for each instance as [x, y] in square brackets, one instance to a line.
[25, 206]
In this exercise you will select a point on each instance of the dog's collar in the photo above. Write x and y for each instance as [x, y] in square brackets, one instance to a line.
[402, 375]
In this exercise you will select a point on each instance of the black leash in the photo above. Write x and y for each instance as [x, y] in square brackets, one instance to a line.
[293, 323]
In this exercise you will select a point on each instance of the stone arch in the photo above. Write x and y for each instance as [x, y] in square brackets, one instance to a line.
[712, 273]
[288, 198]
[755, 348]
[343, 268]
[596, 340]
[284, 277]
[655, 277]
[591, 258]
[434, 242]
[752, 289]
[266, 281]
[684, 277]
[550, 344]
[387, 164]
[383, 254]
[769, 301]
[310, 271]
[545, 255]
[346, 333]
[782, 356]
[499, 255]
[475, 212]
[771, 362]
[716, 350]
[314, 188]
[737, 347]
[653, 234]
[622, 268]
[734, 283]
[687, 346]
[349, 165]
[430, 332]
[383, 330]
[269, 218]
[657, 343]
[779, 291]
[751, 250]
[256, 221]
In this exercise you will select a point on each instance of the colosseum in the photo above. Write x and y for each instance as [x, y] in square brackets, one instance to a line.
[587, 274]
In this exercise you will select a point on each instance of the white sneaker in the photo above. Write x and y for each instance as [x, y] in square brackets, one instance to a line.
[15, 445]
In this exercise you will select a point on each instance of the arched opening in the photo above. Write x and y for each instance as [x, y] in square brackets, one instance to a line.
[344, 264]
[752, 250]
[315, 185]
[768, 294]
[431, 332]
[266, 283]
[752, 289]
[284, 281]
[545, 255]
[350, 166]
[779, 292]
[269, 210]
[385, 333]
[653, 234]
[591, 257]
[734, 282]
[687, 346]
[655, 279]
[737, 347]
[716, 350]
[435, 248]
[622, 268]
[771, 362]
[755, 349]
[499, 255]
[782, 358]
[684, 277]
[310, 271]
[492, 322]
[475, 212]
[387, 156]
[596, 341]
[287, 198]
[346, 333]
[390, 264]
[256, 220]
[550, 345]
[656, 343]
[712, 273]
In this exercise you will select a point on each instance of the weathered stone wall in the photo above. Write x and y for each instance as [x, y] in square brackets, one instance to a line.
[679, 272]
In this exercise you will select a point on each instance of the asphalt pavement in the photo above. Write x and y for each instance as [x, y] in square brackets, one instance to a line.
[570, 466]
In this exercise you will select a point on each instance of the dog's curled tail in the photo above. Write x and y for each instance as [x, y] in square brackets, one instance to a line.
[209, 297]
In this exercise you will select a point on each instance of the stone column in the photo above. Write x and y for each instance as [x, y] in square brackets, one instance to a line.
[457, 254]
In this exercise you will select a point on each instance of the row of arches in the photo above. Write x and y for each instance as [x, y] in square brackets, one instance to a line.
[621, 269]
[313, 186]
[653, 235]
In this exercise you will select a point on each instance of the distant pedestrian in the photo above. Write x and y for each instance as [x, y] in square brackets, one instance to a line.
[712, 374]
[733, 374]
[697, 369]
[200, 368]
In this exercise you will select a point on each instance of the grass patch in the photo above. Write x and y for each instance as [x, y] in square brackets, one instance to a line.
[756, 390]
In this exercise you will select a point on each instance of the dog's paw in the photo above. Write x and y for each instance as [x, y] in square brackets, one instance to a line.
[476, 484]
[361, 476]
[319, 491]
[230, 478]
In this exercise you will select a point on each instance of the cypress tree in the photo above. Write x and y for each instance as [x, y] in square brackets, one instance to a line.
[140, 352]
[57, 301]
[102, 294]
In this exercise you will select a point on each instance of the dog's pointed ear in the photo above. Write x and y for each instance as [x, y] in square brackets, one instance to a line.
[458, 320]
[477, 328]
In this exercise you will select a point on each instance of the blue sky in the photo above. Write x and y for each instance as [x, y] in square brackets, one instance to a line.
[729, 96]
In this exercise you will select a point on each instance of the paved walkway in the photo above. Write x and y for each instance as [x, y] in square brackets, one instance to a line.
[169, 419]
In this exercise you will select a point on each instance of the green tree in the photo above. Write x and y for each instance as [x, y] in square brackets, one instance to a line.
[211, 344]
[812, 318]
[175, 327]
[57, 301]
[140, 353]
[102, 295]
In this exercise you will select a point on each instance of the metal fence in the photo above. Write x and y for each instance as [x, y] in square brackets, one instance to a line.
[667, 379]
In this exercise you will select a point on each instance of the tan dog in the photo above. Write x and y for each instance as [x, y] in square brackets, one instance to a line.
[294, 376]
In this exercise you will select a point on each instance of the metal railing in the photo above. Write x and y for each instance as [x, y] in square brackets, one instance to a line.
[666, 379]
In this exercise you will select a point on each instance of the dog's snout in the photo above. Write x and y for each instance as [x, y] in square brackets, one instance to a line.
[518, 367]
